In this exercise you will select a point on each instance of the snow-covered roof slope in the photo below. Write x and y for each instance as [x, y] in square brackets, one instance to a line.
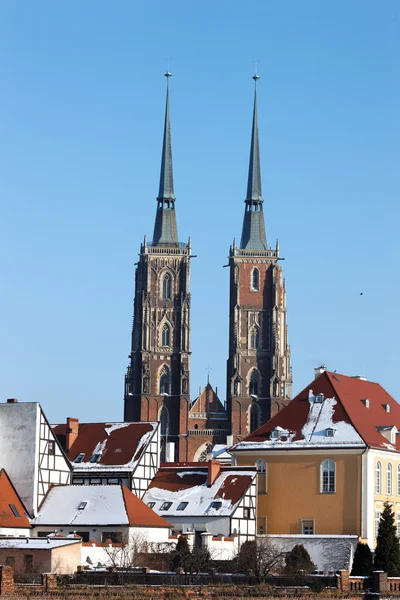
[107, 446]
[37, 543]
[183, 483]
[87, 505]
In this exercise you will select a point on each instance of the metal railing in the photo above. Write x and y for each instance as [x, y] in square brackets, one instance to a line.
[216, 432]
[208, 415]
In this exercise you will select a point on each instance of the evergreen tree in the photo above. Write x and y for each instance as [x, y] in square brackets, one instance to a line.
[362, 563]
[298, 561]
[181, 555]
[387, 551]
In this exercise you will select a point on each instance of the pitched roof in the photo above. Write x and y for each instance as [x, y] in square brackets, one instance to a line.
[87, 505]
[9, 498]
[303, 422]
[46, 543]
[120, 445]
[188, 482]
[208, 402]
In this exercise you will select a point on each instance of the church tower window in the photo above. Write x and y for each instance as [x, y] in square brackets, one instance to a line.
[254, 417]
[164, 380]
[166, 287]
[166, 335]
[255, 280]
[254, 383]
[254, 337]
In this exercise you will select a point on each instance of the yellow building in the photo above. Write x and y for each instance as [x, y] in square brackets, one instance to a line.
[328, 461]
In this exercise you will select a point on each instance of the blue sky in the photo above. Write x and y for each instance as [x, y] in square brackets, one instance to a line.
[81, 116]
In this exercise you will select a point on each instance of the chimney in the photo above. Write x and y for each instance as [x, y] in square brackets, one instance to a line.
[71, 432]
[319, 370]
[12, 400]
[214, 469]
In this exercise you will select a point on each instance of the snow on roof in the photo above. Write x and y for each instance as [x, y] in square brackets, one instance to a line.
[180, 484]
[219, 452]
[119, 446]
[87, 505]
[37, 543]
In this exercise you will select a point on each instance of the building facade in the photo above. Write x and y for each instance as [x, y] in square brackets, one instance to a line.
[259, 373]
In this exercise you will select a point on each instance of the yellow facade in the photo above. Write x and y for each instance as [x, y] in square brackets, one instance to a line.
[386, 487]
[289, 494]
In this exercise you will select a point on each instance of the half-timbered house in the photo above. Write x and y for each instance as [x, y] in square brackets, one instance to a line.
[111, 453]
[206, 497]
[30, 452]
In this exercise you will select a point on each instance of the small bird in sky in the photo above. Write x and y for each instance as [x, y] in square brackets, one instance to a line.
[361, 293]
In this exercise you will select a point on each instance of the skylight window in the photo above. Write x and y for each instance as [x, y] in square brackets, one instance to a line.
[217, 505]
[387, 407]
[82, 506]
[319, 398]
[166, 505]
[79, 458]
[151, 504]
[15, 511]
[95, 458]
[182, 505]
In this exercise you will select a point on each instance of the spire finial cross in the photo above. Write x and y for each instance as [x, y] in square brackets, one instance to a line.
[168, 74]
[208, 369]
[256, 75]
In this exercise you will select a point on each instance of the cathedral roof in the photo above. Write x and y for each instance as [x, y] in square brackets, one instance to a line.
[12, 510]
[89, 505]
[334, 410]
[188, 488]
[208, 402]
[107, 445]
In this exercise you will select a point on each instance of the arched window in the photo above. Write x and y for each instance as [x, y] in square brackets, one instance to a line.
[255, 280]
[261, 466]
[254, 337]
[378, 478]
[389, 479]
[164, 380]
[163, 417]
[166, 335]
[166, 287]
[236, 387]
[254, 383]
[398, 480]
[254, 417]
[327, 481]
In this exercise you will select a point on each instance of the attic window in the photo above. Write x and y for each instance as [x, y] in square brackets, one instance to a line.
[79, 458]
[151, 504]
[217, 505]
[387, 407]
[366, 402]
[182, 505]
[319, 398]
[15, 511]
[95, 458]
[330, 432]
[275, 434]
[166, 505]
[82, 506]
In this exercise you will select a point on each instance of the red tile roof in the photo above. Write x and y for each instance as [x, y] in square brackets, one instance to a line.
[139, 513]
[122, 443]
[350, 394]
[9, 496]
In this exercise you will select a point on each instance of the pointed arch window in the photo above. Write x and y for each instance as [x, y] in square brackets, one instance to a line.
[255, 417]
[164, 380]
[389, 479]
[328, 476]
[378, 478]
[254, 337]
[255, 280]
[166, 335]
[166, 287]
[254, 383]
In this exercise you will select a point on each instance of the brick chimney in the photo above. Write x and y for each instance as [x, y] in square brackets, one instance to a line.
[214, 469]
[12, 400]
[71, 432]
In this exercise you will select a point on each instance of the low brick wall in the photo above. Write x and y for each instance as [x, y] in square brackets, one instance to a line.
[6, 580]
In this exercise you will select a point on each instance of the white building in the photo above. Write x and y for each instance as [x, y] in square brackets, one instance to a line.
[30, 452]
[111, 453]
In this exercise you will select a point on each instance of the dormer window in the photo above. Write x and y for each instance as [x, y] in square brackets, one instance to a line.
[275, 434]
[330, 431]
[95, 458]
[79, 458]
[393, 437]
[366, 402]
[319, 398]
[387, 407]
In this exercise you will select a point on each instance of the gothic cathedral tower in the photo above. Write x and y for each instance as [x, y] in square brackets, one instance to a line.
[157, 381]
[259, 374]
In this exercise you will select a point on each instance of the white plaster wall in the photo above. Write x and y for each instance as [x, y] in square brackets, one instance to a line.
[15, 532]
[221, 549]
[215, 525]
[19, 435]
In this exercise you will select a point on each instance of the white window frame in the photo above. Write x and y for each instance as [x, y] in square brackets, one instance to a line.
[398, 480]
[389, 479]
[253, 287]
[304, 526]
[326, 466]
[378, 477]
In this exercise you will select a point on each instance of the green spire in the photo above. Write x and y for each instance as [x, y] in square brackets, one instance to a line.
[254, 179]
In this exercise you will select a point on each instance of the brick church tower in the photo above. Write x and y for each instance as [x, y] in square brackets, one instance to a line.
[157, 381]
[259, 374]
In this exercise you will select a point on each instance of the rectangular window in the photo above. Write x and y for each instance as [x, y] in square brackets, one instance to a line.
[307, 526]
[28, 562]
[43, 534]
[79, 458]
[15, 511]
[95, 458]
[217, 505]
[182, 505]
[82, 506]
[115, 537]
[166, 505]
[246, 513]
[51, 448]
[83, 534]
[377, 522]
[152, 505]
